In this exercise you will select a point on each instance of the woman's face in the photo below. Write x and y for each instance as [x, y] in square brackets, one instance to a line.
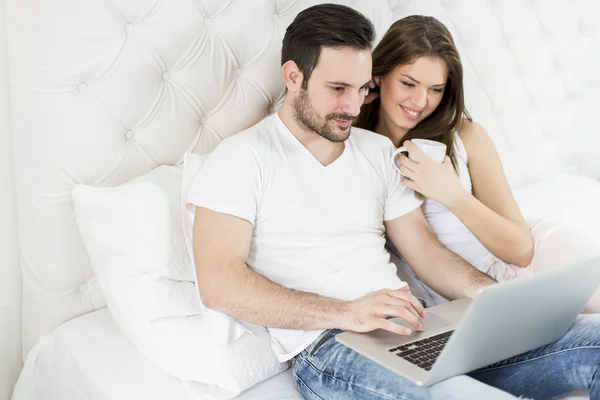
[411, 92]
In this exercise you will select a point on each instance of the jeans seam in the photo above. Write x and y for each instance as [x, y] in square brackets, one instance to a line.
[346, 382]
[534, 359]
[312, 393]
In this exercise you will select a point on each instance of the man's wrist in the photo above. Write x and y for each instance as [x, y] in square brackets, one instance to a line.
[338, 315]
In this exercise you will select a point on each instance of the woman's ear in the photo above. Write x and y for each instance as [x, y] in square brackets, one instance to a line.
[292, 76]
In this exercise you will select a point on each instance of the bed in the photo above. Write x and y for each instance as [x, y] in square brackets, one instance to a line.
[89, 358]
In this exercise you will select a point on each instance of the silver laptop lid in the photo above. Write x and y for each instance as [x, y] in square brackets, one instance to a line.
[514, 317]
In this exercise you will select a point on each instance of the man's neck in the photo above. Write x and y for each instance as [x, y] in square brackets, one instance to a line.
[325, 151]
[388, 128]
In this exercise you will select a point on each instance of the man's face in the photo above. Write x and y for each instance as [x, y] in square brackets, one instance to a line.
[335, 93]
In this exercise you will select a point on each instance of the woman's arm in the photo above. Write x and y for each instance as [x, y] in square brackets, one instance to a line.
[492, 214]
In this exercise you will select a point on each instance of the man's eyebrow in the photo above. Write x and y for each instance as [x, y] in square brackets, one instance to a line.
[416, 81]
[346, 84]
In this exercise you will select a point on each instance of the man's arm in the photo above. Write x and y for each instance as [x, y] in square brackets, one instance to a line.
[221, 245]
[434, 264]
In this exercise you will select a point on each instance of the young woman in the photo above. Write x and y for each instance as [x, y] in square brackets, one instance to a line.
[417, 75]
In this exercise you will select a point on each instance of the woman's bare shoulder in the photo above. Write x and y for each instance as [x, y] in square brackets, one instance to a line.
[469, 128]
[472, 133]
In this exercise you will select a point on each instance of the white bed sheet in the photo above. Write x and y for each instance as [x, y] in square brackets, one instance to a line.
[89, 358]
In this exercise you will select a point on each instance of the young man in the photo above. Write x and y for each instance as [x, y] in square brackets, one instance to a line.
[290, 229]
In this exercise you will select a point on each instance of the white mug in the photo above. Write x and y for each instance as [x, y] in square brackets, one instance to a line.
[435, 150]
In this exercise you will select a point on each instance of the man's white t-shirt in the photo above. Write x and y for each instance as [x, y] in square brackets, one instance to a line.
[317, 228]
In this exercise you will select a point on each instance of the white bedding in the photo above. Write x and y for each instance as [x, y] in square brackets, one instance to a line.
[89, 358]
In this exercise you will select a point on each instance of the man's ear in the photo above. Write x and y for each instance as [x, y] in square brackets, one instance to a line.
[292, 76]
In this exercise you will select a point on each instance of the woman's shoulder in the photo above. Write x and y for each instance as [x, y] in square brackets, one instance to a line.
[472, 134]
[467, 129]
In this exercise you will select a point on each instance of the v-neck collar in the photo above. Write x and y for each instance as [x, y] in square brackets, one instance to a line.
[294, 140]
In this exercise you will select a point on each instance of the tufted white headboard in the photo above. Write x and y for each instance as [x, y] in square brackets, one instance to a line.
[10, 288]
[105, 90]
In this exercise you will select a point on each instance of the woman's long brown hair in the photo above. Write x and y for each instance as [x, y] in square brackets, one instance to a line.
[407, 40]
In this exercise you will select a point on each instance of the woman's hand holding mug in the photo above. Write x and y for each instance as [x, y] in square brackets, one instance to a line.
[428, 170]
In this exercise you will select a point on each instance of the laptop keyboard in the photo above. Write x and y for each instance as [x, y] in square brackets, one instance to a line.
[424, 352]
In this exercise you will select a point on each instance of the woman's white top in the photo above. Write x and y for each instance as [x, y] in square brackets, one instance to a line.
[453, 234]
[446, 226]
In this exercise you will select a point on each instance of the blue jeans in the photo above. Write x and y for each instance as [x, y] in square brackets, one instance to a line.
[331, 371]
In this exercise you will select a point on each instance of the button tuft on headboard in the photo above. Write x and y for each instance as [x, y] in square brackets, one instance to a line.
[129, 134]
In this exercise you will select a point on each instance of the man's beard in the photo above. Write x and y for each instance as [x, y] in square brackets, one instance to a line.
[308, 118]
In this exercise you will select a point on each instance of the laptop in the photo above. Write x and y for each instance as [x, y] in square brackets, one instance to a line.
[503, 320]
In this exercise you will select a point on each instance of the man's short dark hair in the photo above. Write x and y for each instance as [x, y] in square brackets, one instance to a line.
[324, 25]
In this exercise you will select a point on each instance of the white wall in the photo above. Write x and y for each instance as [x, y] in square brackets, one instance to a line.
[588, 143]
[10, 278]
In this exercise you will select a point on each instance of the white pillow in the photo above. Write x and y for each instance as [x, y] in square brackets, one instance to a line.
[134, 237]
[192, 163]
